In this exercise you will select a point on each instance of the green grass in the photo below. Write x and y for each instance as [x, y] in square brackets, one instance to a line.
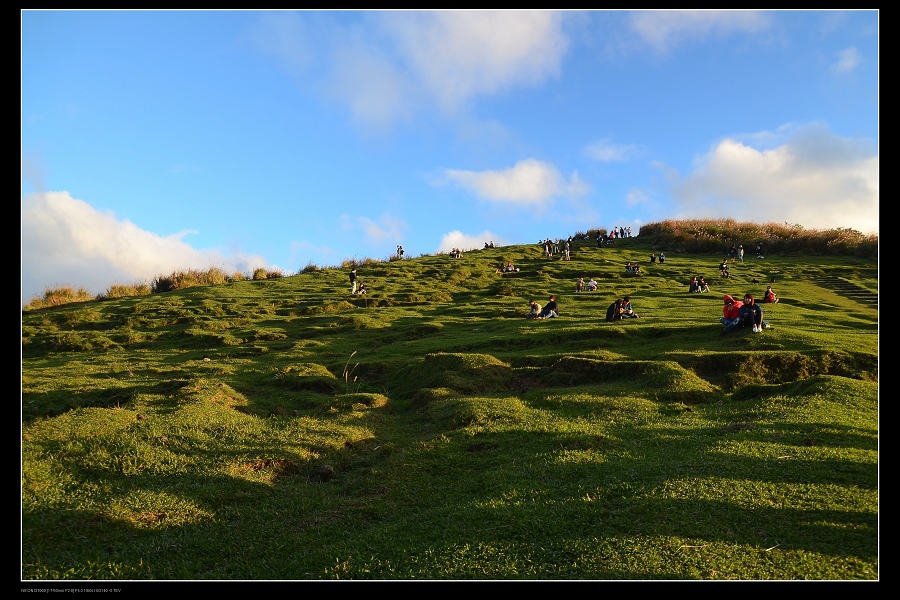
[183, 435]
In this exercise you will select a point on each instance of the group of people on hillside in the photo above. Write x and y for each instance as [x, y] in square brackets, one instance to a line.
[581, 286]
[507, 268]
[550, 311]
[553, 246]
[735, 253]
[621, 232]
[698, 285]
[735, 315]
[620, 309]
[746, 314]
[357, 287]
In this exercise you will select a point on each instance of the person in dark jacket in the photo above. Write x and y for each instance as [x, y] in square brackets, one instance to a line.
[550, 310]
[615, 311]
[751, 314]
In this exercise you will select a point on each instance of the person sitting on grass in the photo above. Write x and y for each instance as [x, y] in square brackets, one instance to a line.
[616, 310]
[507, 268]
[535, 310]
[723, 268]
[694, 285]
[751, 314]
[551, 310]
[731, 313]
[770, 295]
[704, 287]
[591, 285]
[627, 311]
[579, 287]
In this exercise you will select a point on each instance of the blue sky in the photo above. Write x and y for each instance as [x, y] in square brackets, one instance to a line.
[155, 141]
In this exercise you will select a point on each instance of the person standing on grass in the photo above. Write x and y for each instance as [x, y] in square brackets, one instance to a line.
[741, 253]
[353, 281]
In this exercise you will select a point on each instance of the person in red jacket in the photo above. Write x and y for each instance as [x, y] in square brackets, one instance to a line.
[731, 313]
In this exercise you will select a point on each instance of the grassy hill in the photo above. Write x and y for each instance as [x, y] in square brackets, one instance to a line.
[284, 429]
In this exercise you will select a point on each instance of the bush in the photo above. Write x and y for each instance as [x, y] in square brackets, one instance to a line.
[59, 296]
[717, 235]
[127, 291]
[180, 280]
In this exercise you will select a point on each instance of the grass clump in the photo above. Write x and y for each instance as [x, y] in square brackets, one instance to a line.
[59, 296]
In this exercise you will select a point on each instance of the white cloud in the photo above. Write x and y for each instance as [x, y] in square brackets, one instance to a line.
[465, 242]
[847, 60]
[387, 229]
[529, 182]
[815, 179]
[576, 187]
[369, 83]
[387, 65]
[65, 241]
[606, 151]
[661, 30]
[635, 197]
[286, 36]
[457, 55]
